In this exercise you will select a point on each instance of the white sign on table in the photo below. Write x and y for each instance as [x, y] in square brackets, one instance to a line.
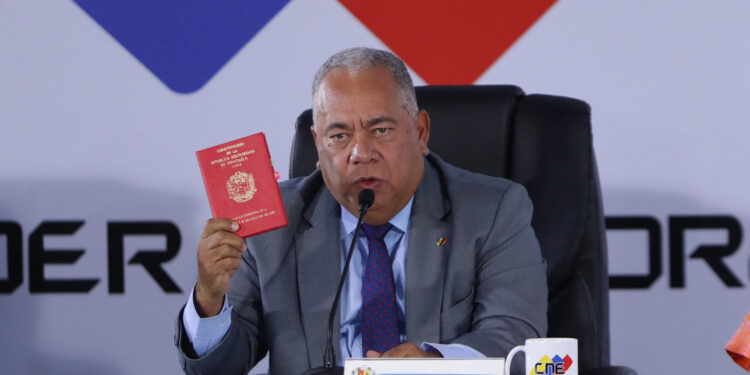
[432, 366]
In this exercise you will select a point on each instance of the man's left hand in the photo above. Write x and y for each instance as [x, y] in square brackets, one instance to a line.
[404, 350]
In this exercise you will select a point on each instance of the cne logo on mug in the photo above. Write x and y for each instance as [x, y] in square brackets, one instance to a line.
[554, 366]
[363, 371]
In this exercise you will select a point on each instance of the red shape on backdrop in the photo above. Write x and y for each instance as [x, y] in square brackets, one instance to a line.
[448, 42]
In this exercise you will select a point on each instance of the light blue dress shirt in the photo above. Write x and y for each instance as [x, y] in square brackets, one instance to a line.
[206, 333]
[396, 241]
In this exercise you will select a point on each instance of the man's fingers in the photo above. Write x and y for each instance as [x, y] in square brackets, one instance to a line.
[228, 265]
[219, 239]
[224, 252]
[372, 354]
[215, 277]
[219, 256]
[408, 349]
[395, 352]
[218, 224]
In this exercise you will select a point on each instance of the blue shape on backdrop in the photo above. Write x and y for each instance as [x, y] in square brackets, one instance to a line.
[183, 42]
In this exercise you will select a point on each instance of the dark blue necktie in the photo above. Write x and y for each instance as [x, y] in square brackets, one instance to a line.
[378, 315]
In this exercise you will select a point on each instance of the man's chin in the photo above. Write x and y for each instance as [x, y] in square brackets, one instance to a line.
[376, 216]
[375, 212]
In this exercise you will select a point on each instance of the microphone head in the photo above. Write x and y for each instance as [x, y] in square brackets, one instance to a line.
[366, 198]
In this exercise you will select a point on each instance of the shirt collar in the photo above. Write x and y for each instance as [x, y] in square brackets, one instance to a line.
[400, 221]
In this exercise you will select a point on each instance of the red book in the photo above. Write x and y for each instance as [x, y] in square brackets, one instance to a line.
[241, 184]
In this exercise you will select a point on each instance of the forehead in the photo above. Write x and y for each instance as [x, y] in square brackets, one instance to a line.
[363, 90]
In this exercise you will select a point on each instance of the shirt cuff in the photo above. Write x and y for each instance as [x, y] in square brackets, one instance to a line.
[205, 333]
[454, 351]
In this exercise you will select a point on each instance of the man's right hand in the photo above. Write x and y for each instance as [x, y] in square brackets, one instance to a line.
[219, 256]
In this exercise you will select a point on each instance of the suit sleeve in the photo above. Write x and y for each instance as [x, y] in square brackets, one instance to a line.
[510, 293]
[243, 346]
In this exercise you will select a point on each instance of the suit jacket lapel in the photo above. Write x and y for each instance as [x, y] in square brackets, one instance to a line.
[318, 254]
[426, 259]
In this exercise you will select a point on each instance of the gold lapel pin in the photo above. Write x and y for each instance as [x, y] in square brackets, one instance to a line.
[442, 241]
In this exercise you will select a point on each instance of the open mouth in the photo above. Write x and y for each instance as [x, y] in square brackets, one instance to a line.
[367, 182]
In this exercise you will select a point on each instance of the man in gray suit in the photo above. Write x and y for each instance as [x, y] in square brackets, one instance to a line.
[468, 276]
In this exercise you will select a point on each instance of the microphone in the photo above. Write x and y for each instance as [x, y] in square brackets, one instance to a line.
[366, 198]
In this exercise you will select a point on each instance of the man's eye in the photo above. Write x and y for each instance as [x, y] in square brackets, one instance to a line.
[338, 136]
[381, 130]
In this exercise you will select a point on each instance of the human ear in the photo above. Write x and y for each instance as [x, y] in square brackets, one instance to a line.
[423, 131]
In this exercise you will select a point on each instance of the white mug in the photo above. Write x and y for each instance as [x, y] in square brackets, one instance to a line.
[548, 356]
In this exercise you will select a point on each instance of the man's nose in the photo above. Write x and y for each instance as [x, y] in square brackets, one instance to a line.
[363, 149]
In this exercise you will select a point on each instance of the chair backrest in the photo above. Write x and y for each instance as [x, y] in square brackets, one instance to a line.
[543, 142]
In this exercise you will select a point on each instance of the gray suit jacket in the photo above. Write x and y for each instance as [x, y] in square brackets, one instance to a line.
[485, 287]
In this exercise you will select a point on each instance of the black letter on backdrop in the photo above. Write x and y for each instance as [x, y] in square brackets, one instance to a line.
[712, 254]
[150, 259]
[12, 232]
[39, 256]
[650, 225]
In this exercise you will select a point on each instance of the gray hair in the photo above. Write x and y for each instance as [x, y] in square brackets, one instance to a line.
[362, 58]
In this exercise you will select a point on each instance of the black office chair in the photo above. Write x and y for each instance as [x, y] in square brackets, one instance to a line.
[543, 142]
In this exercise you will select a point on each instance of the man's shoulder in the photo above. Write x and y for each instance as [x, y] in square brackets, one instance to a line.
[469, 187]
[299, 192]
[480, 204]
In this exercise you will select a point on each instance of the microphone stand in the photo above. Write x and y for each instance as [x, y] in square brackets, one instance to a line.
[366, 198]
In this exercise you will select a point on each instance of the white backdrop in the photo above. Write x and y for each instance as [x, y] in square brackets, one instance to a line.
[88, 133]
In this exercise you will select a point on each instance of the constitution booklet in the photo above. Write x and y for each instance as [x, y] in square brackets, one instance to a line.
[241, 184]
